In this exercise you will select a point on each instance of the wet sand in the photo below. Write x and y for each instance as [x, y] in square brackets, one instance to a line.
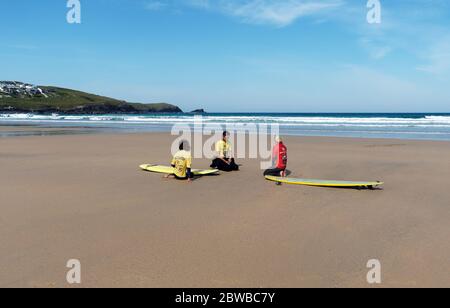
[83, 197]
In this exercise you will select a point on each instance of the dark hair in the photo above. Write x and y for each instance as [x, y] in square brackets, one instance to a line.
[184, 145]
[225, 133]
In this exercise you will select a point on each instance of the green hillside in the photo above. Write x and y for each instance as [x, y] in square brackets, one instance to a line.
[66, 101]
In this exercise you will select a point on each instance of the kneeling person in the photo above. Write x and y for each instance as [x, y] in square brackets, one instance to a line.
[279, 160]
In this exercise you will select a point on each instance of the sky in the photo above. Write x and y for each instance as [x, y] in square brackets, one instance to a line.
[237, 56]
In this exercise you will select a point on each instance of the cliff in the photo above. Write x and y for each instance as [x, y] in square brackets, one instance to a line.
[18, 97]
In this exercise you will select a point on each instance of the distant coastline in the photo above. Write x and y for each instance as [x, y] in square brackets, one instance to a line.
[19, 97]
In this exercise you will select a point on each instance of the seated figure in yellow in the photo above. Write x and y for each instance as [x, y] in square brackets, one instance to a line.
[224, 160]
[182, 163]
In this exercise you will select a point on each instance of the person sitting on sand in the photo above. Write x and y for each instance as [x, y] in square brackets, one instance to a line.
[181, 163]
[279, 159]
[224, 160]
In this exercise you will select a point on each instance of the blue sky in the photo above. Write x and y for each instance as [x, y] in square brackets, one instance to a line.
[237, 56]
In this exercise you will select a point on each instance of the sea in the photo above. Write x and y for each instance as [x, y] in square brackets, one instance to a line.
[416, 126]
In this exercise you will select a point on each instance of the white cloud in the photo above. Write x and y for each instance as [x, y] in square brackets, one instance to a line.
[278, 13]
[155, 5]
[380, 52]
[438, 58]
[376, 50]
[199, 3]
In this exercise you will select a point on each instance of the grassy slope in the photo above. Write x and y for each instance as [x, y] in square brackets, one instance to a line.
[66, 100]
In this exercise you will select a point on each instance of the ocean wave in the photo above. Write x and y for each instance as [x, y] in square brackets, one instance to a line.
[442, 121]
[433, 127]
[425, 122]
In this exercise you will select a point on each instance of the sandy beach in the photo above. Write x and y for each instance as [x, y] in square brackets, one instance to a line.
[83, 197]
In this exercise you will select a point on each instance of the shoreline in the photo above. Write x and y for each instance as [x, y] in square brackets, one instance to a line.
[399, 126]
[84, 197]
[24, 130]
[7, 131]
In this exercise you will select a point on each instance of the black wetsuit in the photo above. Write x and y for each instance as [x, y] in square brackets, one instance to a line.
[273, 172]
[223, 166]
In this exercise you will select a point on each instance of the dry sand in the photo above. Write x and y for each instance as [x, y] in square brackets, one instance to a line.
[83, 197]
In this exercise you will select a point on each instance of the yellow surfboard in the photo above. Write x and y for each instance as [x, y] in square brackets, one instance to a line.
[324, 183]
[169, 170]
